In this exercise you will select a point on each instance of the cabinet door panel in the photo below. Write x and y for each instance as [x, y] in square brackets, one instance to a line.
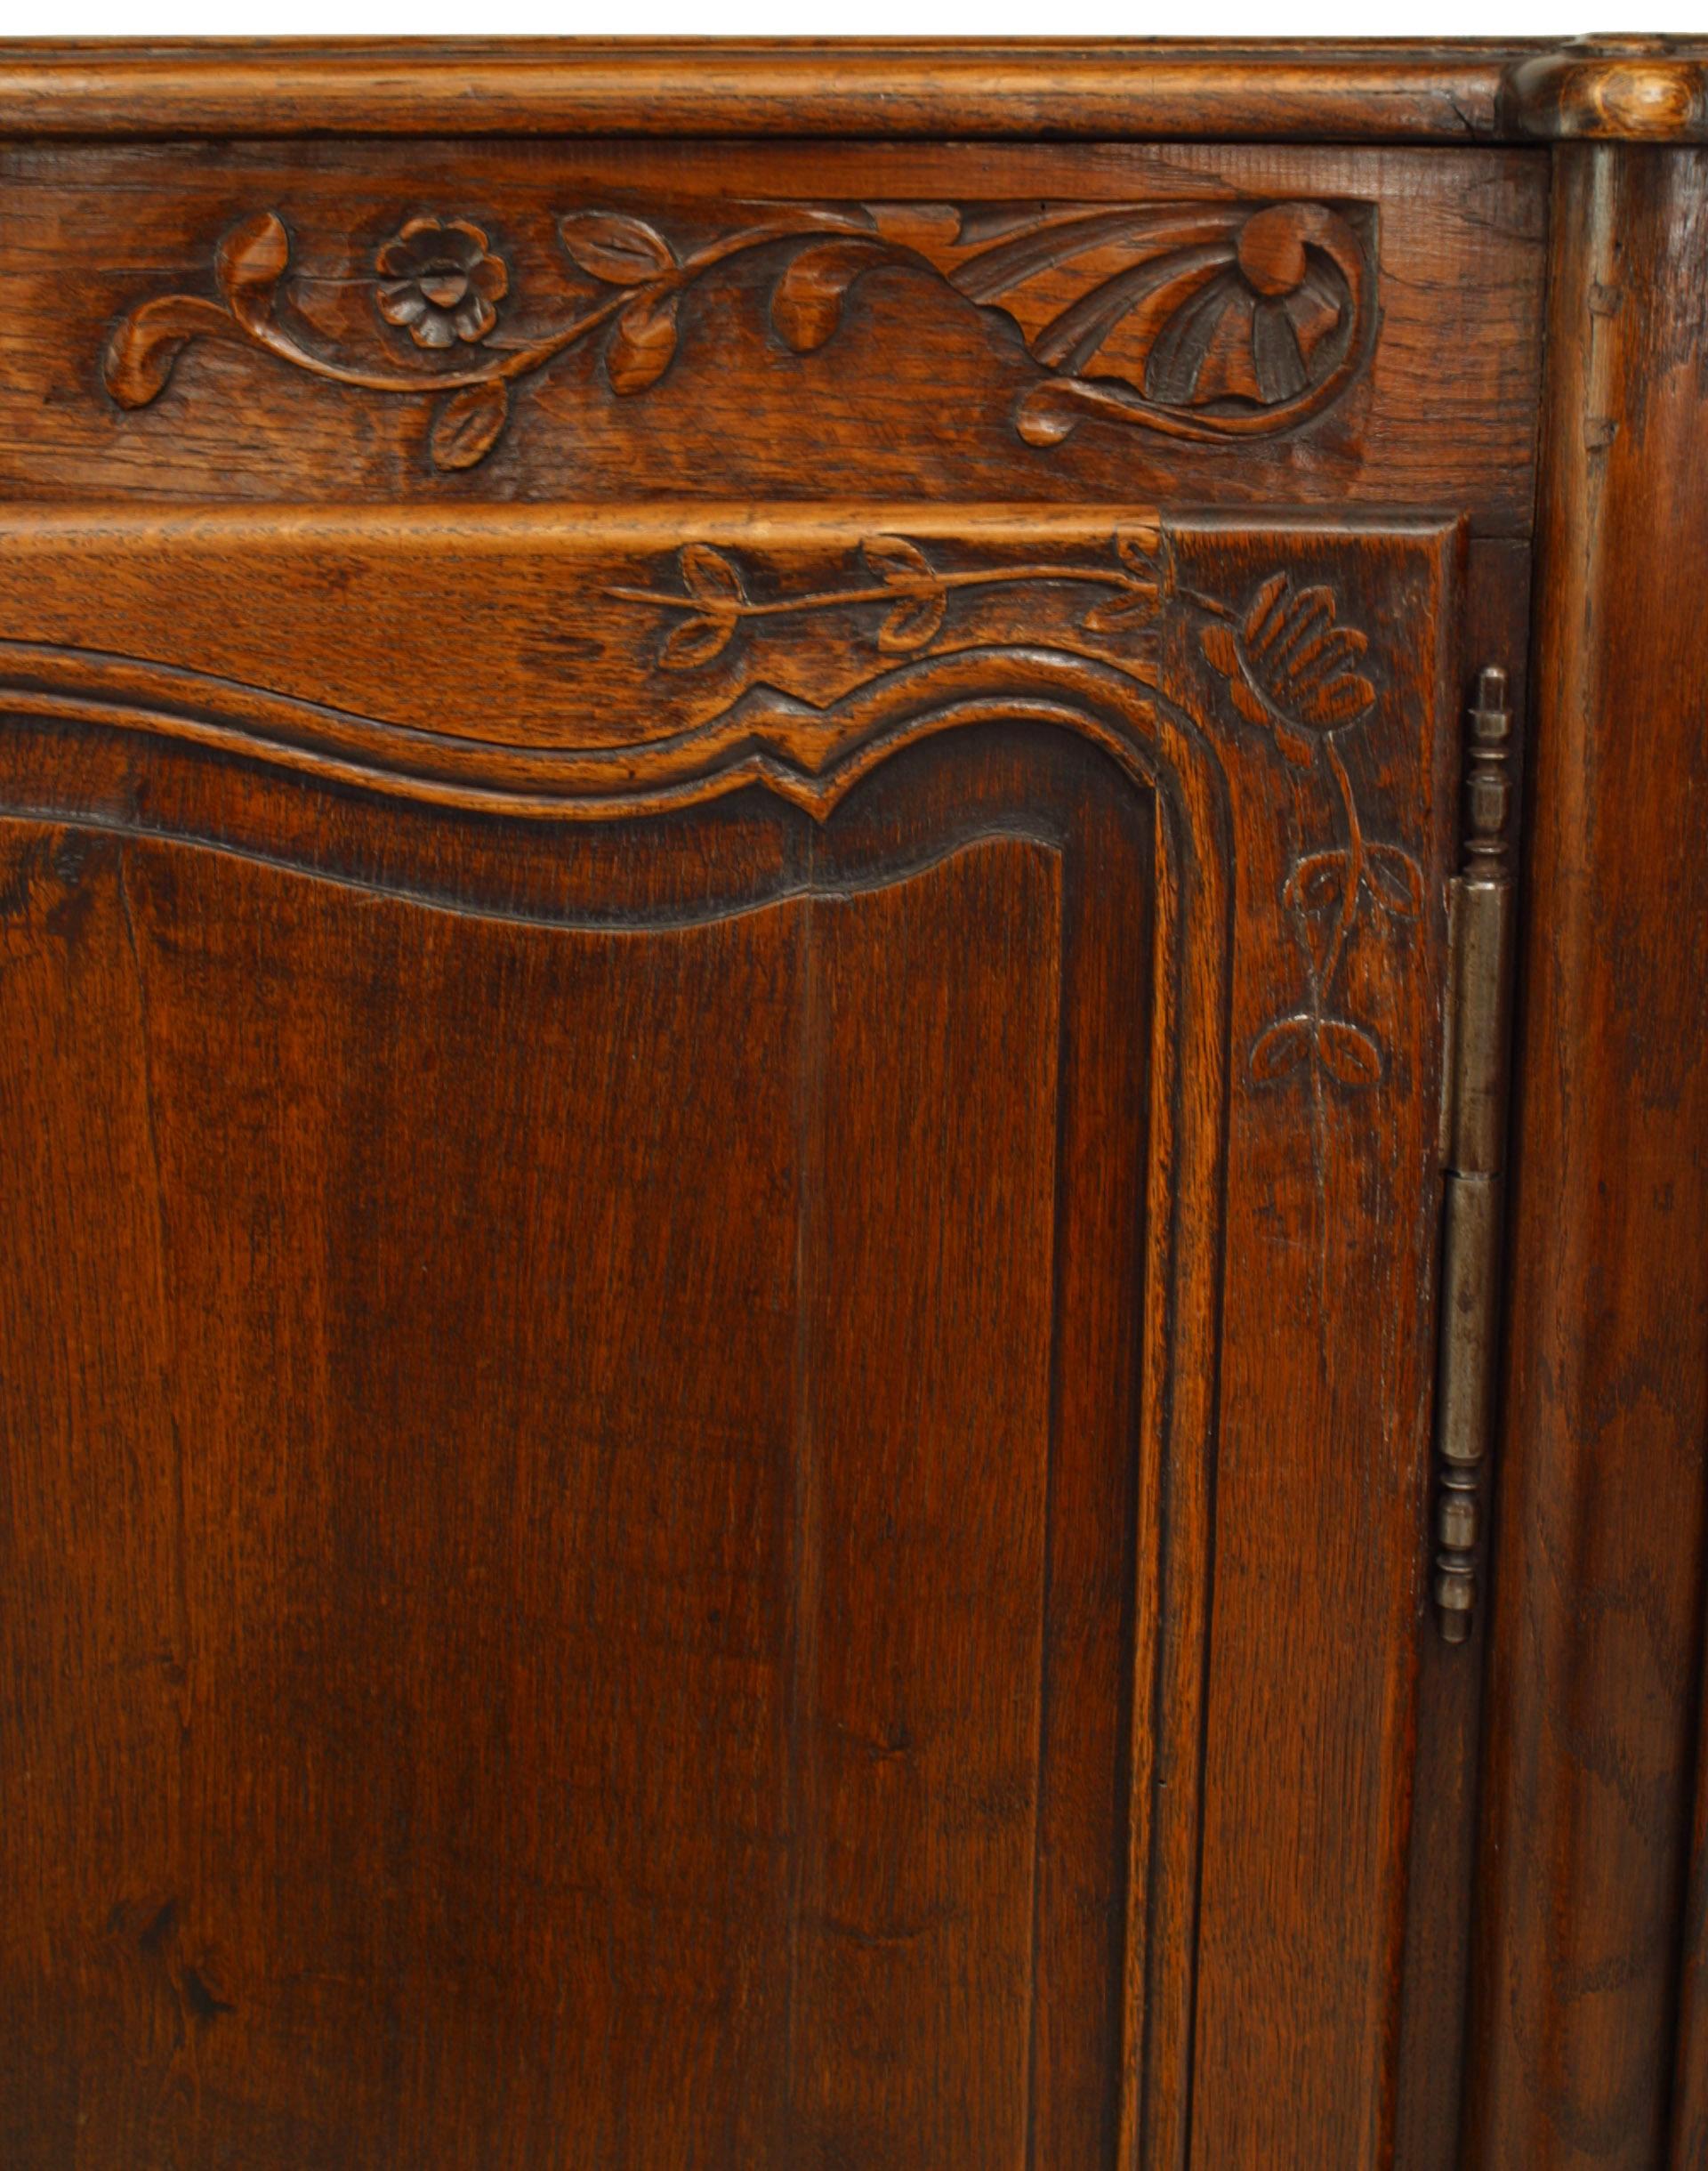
[719, 1322]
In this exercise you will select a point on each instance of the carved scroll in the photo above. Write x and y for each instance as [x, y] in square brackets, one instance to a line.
[1211, 321]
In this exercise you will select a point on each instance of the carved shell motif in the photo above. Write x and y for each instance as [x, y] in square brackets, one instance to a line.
[1215, 320]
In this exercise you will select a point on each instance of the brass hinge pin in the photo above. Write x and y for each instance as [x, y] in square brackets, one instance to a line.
[1481, 932]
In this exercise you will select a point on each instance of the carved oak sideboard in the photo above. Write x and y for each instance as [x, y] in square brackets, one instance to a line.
[854, 1312]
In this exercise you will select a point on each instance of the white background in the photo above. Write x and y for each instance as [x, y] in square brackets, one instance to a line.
[975, 19]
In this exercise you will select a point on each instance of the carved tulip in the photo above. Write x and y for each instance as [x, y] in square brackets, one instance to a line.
[1290, 667]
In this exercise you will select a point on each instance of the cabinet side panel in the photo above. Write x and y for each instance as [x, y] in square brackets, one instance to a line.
[1598, 1625]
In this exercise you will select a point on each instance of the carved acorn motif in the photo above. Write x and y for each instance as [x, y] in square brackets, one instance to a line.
[442, 281]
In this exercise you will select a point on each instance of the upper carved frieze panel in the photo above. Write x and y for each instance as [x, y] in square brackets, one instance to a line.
[1215, 322]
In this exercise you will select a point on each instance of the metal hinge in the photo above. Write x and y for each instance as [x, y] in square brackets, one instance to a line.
[1480, 945]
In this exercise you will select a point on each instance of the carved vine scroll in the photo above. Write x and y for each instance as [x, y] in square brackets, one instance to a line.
[1200, 320]
[1292, 671]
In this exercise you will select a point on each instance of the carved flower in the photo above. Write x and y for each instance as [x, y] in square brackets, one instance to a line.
[1289, 667]
[440, 278]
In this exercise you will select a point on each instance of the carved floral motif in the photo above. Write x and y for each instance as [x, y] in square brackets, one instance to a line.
[439, 279]
[1290, 668]
[1292, 671]
[1203, 321]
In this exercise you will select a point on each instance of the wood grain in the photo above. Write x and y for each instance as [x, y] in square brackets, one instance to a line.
[1598, 1576]
[1376, 89]
[1636, 90]
[922, 391]
[726, 772]
[1325, 1400]
[647, 1527]
[476, 1663]
[1689, 2120]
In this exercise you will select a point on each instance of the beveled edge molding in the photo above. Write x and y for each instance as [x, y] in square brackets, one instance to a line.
[1365, 91]
[1610, 90]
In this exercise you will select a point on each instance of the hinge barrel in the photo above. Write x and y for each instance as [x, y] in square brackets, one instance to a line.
[1481, 941]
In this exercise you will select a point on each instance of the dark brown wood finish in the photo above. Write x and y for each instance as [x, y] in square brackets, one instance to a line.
[684, 318]
[1033, 1846]
[728, 782]
[1690, 2075]
[1598, 1637]
[1636, 90]
[1374, 91]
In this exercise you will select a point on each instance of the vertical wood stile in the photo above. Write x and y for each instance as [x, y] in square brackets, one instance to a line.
[1600, 1541]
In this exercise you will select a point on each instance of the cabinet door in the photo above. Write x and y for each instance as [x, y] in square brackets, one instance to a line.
[717, 1328]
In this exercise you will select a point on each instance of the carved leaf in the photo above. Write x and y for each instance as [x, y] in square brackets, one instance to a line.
[1220, 315]
[806, 302]
[1221, 648]
[251, 261]
[696, 641]
[1315, 882]
[709, 577]
[643, 343]
[1303, 660]
[912, 623]
[612, 247]
[1281, 1047]
[1349, 1053]
[1137, 548]
[145, 345]
[1341, 700]
[894, 558]
[1396, 878]
[469, 425]
[1122, 613]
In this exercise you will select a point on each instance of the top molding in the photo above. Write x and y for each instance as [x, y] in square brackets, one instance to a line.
[1643, 90]
[1622, 90]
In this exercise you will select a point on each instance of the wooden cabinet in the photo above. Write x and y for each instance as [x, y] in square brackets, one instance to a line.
[759, 841]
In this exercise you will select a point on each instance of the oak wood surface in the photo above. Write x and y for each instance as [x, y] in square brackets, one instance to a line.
[1445, 1819]
[1377, 90]
[1637, 87]
[726, 773]
[924, 388]
[1690, 2073]
[1597, 1640]
[579, 1372]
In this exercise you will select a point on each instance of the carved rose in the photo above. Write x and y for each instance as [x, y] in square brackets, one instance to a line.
[441, 280]
[1289, 667]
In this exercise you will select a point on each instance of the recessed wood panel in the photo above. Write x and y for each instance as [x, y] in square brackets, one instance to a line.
[534, 1518]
